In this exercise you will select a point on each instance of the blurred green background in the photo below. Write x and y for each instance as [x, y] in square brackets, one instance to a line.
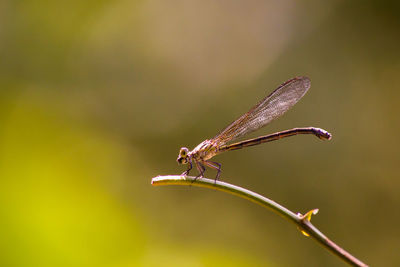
[97, 97]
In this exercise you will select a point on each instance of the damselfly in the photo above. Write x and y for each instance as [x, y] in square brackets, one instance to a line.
[268, 109]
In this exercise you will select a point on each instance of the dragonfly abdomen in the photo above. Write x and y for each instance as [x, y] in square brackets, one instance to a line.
[320, 133]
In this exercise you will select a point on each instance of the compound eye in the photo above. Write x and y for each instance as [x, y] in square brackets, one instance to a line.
[183, 152]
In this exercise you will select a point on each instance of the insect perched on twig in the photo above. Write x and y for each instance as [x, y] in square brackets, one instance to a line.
[268, 109]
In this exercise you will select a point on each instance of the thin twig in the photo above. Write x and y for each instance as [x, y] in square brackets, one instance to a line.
[302, 221]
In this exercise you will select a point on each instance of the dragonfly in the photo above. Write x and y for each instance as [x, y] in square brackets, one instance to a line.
[271, 107]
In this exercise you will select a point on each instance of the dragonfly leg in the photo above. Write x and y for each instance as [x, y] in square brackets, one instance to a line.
[185, 173]
[200, 167]
[214, 165]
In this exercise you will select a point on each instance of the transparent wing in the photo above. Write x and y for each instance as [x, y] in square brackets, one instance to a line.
[268, 109]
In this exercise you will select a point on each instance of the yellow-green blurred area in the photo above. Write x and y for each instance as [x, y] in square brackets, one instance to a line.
[97, 97]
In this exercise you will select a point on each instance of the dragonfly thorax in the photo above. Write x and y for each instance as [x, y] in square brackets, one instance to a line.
[203, 151]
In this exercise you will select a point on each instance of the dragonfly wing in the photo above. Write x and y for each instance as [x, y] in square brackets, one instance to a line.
[268, 109]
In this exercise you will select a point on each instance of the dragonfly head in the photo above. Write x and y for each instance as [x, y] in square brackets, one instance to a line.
[183, 156]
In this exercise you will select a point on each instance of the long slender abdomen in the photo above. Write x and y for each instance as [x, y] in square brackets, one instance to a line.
[320, 133]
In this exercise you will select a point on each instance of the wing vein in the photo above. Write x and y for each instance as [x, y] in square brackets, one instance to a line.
[271, 107]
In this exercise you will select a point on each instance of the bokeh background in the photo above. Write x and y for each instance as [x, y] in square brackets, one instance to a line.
[97, 97]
